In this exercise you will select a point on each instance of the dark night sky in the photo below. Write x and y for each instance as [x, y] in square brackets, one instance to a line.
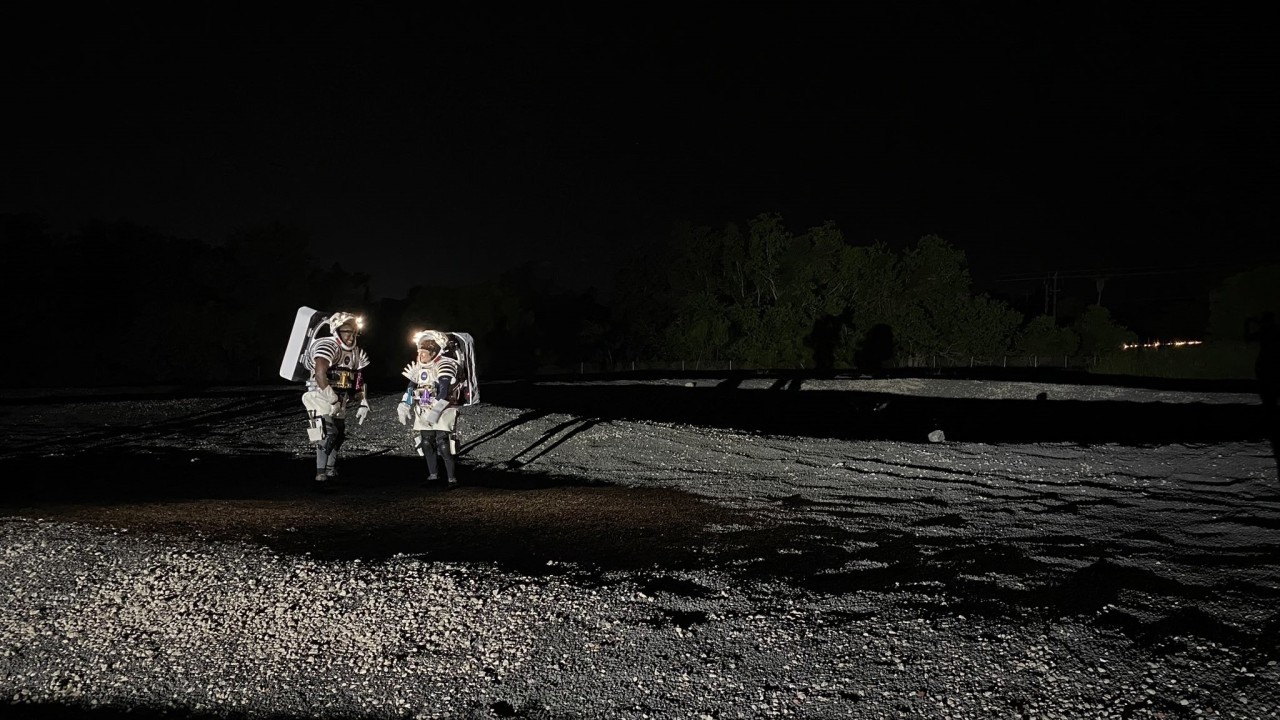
[1072, 139]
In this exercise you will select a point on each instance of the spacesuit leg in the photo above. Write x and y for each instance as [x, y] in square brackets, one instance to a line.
[335, 432]
[441, 443]
[426, 448]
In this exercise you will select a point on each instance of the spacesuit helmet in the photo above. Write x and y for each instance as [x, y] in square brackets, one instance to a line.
[433, 341]
[346, 327]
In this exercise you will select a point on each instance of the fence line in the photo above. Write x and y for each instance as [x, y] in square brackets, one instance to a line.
[584, 367]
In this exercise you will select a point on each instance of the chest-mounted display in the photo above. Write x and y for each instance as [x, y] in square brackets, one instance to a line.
[346, 380]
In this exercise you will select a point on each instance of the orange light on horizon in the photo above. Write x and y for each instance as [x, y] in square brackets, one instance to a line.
[1159, 344]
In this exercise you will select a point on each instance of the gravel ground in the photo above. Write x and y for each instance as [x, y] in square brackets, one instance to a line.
[611, 562]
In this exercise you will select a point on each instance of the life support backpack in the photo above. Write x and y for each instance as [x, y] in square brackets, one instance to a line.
[307, 322]
[466, 383]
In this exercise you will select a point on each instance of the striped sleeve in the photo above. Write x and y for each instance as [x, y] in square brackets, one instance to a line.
[326, 348]
[448, 369]
[362, 358]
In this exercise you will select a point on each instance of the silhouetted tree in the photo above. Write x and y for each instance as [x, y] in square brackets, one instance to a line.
[1100, 335]
[265, 275]
[35, 295]
[640, 310]
[875, 350]
[1264, 331]
[939, 314]
[780, 306]
[1245, 295]
[824, 338]
[1044, 337]
[153, 295]
[771, 298]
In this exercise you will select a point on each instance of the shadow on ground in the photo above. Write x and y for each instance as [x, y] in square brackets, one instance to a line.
[848, 415]
[518, 520]
[537, 523]
[540, 524]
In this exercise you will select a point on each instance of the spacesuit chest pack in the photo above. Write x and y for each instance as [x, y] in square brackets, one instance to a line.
[343, 377]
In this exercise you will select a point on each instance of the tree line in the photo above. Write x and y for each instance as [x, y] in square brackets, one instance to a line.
[119, 304]
[761, 295]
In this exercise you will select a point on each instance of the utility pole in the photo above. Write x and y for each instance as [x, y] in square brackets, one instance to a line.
[1051, 295]
[1055, 294]
[1099, 282]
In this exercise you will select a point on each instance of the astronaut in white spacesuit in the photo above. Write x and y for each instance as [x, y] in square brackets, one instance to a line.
[336, 386]
[431, 402]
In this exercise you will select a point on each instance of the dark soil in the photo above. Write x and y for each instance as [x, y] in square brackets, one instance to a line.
[373, 511]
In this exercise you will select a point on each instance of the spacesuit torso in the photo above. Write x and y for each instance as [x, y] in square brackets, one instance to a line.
[425, 391]
[345, 373]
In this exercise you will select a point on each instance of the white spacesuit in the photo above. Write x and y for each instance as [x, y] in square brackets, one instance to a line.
[431, 402]
[335, 386]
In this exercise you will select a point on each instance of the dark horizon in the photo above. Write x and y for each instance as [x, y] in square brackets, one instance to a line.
[1160, 302]
[451, 147]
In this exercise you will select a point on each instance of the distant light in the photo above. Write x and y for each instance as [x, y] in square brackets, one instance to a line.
[1159, 344]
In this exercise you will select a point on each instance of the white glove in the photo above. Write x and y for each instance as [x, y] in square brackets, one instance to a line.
[362, 412]
[328, 394]
[404, 413]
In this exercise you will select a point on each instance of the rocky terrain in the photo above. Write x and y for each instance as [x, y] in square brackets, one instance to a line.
[665, 547]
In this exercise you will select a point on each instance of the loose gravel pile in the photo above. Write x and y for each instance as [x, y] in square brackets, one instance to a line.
[96, 618]
[595, 566]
